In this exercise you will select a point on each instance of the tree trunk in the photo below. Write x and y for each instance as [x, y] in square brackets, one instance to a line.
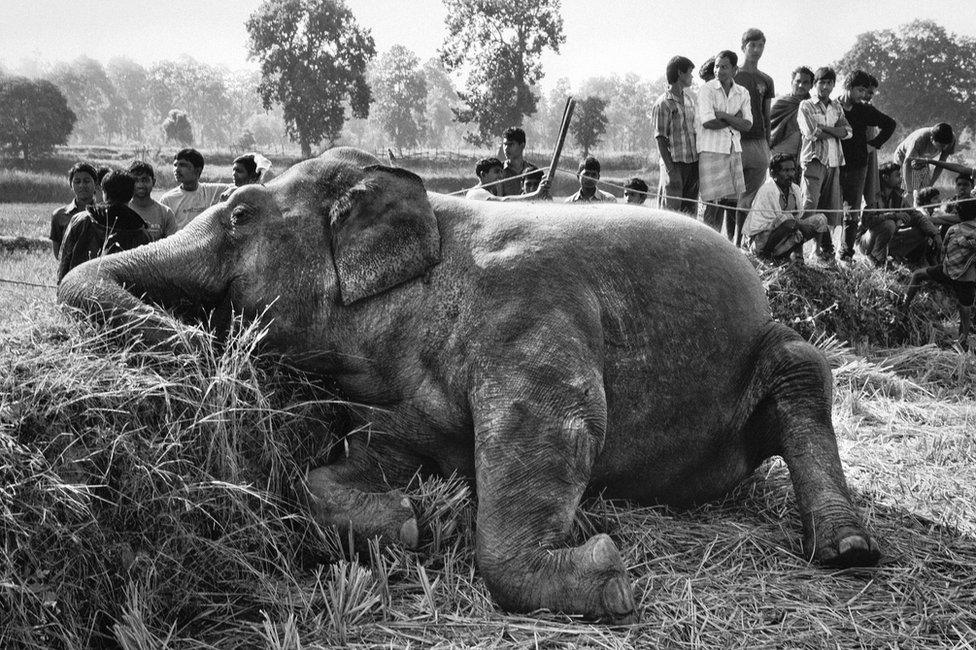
[306, 146]
[25, 148]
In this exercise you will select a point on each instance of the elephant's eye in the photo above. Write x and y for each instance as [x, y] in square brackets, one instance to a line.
[242, 214]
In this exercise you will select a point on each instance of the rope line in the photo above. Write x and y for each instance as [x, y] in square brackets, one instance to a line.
[28, 284]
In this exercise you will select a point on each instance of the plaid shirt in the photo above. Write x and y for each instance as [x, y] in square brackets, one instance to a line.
[674, 119]
[812, 115]
[960, 249]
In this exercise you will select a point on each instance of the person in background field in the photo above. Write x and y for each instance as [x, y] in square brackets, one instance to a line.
[673, 117]
[489, 172]
[957, 271]
[755, 141]
[247, 169]
[104, 228]
[861, 116]
[784, 134]
[823, 126]
[81, 177]
[724, 113]
[635, 191]
[588, 174]
[902, 233]
[926, 142]
[190, 197]
[776, 225]
[159, 219]
[515, 165]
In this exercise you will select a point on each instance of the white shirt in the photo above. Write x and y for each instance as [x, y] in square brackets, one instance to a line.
[713, 98]
[767, 211]
[479, 193]
[187, 205]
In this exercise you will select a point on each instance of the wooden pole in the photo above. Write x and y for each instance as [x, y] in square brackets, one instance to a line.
[563, 130]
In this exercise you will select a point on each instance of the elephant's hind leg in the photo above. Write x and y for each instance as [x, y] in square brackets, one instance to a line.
[357, 495]
[793, 385]
[536, 439]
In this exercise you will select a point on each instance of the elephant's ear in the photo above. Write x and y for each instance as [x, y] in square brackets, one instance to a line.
[384, 233]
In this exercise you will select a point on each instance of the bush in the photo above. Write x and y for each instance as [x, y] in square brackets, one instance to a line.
[18, 186]
[856, 303]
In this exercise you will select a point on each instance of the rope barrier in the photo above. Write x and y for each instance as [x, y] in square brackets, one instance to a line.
[28, 284]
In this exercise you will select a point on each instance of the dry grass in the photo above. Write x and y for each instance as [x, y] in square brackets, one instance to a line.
[154, 499]
[27, 219]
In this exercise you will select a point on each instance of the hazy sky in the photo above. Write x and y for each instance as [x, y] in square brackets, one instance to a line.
[601, 37]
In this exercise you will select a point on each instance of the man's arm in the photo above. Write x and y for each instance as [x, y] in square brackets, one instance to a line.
[942, 156]
[885, 124]
[941, 164]
[57, 234]
[662, 127]
[706, 110]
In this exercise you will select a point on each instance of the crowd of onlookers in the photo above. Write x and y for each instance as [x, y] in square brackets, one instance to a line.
[774, 172]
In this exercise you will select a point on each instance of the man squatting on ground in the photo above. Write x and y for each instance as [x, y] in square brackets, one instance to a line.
[724, 113]
[81, 177]
[755, 141]
[673, 117]
[776, 225]
[823, 126]
[190, 197]
[861, 116]
[902, 232]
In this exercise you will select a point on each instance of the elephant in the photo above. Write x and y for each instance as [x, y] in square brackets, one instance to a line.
[544, 352]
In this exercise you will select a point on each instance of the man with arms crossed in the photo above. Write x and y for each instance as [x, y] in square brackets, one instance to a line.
[724, 113]
[190, 197]
[673, 117]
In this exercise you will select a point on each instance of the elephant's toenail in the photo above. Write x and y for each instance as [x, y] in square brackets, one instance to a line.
[618, 597]
[409, 534]
[850, 543]
[405, 502]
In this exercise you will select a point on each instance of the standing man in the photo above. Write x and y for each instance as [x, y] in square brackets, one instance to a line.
[823, 126]
[784, 130]
[588, 174]
[755, 141]
[927, 142]
[190, 197]
[853, 174]
[724, 113]
[81, 177]
[673, 116]
[515, 165]
[160, 220]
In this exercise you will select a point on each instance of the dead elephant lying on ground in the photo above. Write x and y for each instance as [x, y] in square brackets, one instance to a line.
[544, 351]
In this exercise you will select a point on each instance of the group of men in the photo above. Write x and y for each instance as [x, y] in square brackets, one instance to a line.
[113, 209]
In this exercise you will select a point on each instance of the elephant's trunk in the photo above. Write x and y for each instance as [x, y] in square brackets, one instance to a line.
[184, 273]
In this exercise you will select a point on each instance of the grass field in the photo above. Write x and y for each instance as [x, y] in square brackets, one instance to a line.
[154, 497]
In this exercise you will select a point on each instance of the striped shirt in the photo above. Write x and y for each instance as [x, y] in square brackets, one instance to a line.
[713, 98]
[812, 115]
[960, 249]
[674, 119]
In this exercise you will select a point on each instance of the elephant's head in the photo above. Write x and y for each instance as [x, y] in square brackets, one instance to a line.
[329, 232]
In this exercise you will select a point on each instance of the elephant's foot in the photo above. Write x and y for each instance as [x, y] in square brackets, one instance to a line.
[388, 515]
[841, 546]
[588, 580]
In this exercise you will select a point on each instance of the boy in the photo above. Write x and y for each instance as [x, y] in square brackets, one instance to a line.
[513, 144]
[106, 227]
[489, 172]
[81, 177]
[823, 126]
[191, 197]
[673, 117]
[160, 219]
[957, 271]
[588, 173]
[635, 191]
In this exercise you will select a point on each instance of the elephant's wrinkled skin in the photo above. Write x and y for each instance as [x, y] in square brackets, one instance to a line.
[543, 350]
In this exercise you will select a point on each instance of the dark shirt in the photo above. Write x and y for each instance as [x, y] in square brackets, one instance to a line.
[514, 187]
[761, 92]
[860, 117]
[101, 230]
[59, 222]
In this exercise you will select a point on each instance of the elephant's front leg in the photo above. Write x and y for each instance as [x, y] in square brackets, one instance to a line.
[537, 436]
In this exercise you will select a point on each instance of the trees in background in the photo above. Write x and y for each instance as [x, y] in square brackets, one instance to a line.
[589, 123]
[90, 95]
[497, 46]
[926, 73]
[34, 116]
[400, 96]
[313, 57]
